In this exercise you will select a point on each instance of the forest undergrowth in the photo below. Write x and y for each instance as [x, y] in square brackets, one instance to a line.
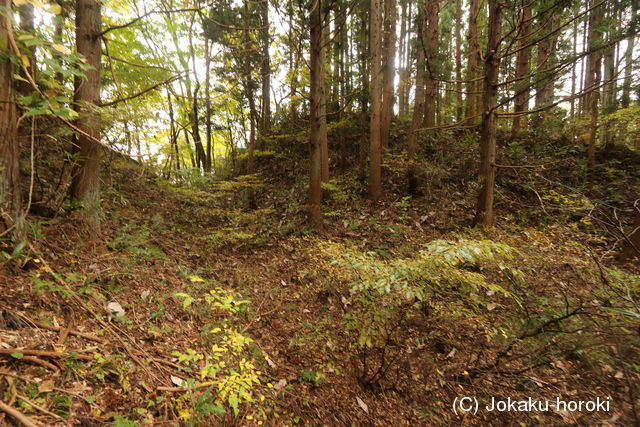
[209, 301]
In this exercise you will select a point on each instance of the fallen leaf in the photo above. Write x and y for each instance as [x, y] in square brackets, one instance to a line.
[46, 386]
[270, 362]
[145, 294]
[362, 405]
[280, 384]
[177, 381]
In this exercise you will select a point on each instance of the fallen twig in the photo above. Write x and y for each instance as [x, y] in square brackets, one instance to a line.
[40, 362]
[39, 408]
[19, 416]
[90, 337]
[43, 353]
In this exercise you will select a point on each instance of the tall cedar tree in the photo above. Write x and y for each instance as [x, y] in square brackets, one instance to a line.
[431, 59]
[484, 211]
[11, 215]
[473, 60]
[418, 109]
[389, 71]
[375, 44]
[523, 58]
[316, 101]
[85, 185]
[594, 74]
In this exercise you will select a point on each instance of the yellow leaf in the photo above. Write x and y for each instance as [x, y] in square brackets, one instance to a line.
[25, 60]
[196, 279]
[55, 8]
[60, 48]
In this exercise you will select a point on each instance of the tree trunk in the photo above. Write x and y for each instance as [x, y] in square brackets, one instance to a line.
[523, 58]
[458, 35]
[11, 214]
[403, 47]
[201, 156]
[375, 45]
[364, 97]
[484, 211]
[418, 108]
[473, 61]
[265, 70]
[389, 71]
[322, 112]
[207, 93]
[85, 185]
[316, 100]
[610, 87]
[628, 62]
[572, 111]
[252, 125]
[173, 130]
[431, 60]
[592, 80]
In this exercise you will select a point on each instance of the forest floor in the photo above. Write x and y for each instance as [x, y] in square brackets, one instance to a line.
[284, 303]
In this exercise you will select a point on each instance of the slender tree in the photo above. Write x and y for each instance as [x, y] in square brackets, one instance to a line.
[418, 108]
[473, 60]
[523, 58]
[316, 99]
[389, 73]
[11, 215]
[85, 185]
[375, 179]
[484, 211]
[431, 61]
[458, 36]
[265, 69]
[593, 75]
[628, 61]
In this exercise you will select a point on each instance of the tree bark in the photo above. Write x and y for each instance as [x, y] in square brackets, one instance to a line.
[418, 108]
[458, 36]
[403, 48]
[207, 92]
[201, 156]
[375, 172]
[322, 112]
[364, 97]
[265, 69]
[85, 185]
[473, 60]
[610, 87]
[431, 60]
[11, 214]
[389, 73]
[523, 59]
[593, 77]
[252, 125]
[316, 101]
[484, 211]
[628, 62]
